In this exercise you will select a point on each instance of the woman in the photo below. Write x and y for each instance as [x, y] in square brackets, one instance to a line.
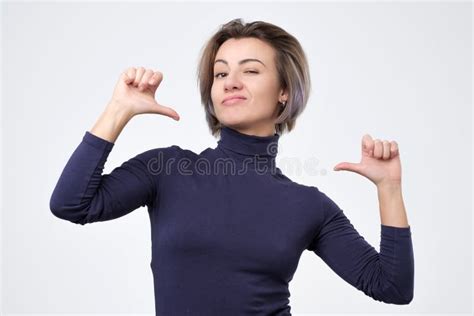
[228, 227]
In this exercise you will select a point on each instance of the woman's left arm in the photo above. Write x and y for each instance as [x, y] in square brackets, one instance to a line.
[387, 276]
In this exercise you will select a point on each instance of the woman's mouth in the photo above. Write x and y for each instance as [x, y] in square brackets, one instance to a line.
[233, 101]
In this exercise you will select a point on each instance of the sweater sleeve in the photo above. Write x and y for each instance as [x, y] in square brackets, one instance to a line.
[387, 276]
[83, 195]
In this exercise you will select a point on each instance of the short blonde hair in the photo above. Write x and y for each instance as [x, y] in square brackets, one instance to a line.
[291, 65]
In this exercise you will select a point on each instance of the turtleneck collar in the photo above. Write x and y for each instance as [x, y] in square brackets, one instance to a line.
[258, 149]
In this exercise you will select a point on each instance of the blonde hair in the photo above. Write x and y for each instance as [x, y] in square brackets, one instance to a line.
[291, 65]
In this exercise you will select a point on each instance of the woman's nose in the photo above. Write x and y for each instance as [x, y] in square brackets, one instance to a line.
[232, 81]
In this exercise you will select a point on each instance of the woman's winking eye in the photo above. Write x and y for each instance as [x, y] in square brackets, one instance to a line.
[251, 71]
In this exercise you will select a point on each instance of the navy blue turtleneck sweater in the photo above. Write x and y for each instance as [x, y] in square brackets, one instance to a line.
[228, 227]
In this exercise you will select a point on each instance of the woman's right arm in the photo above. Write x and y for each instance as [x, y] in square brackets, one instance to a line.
[82, 194]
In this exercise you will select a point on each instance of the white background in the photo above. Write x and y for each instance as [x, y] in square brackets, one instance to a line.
[396, 70]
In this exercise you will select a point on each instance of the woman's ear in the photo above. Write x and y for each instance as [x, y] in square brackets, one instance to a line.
[283, 95]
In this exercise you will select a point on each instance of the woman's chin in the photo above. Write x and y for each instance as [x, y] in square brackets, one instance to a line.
[232, 120]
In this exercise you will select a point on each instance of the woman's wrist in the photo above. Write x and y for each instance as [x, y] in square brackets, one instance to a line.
[112, 121]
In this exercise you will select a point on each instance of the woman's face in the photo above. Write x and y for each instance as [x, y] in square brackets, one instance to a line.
[246, 67]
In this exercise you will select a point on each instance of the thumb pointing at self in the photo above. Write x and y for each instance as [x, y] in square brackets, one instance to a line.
[367, 150]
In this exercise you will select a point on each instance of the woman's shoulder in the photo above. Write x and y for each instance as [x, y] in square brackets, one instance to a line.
[295, 187]
[313, 192]
[172, 152]
[288, 181]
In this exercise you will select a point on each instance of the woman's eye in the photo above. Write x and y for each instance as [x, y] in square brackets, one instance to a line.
[223, 73]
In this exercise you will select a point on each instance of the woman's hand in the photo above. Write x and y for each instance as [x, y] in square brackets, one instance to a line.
[380, 162]
[135, 93]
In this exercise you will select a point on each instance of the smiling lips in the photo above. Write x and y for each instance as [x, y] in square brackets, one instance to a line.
[233, 99]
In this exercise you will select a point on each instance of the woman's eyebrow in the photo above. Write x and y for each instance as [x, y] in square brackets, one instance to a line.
[241, 62]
